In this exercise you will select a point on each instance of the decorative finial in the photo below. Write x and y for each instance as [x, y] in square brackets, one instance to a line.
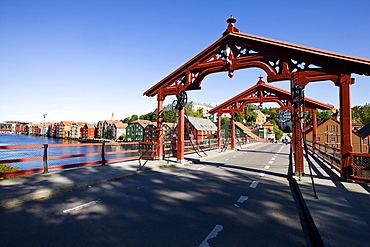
[230, 27]
[260, 80]
[231, 19]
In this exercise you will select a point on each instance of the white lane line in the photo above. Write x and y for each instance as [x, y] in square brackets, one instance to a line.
[242, 199]
[226, 159]
[270, 162]
[267, 167]
[254, 184]
[275, 156]
[236, 205]
[272, 158]
[212, 234]
[176, 176]
[261, 174]
[89, 204]
[200, 168]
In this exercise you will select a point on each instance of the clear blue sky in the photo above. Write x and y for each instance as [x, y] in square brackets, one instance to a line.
[82, 60]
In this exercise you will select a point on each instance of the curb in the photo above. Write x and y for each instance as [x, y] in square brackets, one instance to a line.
[313, 233]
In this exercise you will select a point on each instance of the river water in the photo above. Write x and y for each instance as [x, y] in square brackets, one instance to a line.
[10, 139]
[24, 153]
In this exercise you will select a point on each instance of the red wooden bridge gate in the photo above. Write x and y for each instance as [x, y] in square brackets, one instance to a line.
[280, 61]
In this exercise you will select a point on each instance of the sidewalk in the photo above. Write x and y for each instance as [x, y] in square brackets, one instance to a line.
[18, 190]
[341, 211]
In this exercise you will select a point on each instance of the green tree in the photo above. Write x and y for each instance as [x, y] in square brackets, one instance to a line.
[273, 113]
[134, 117]
[151, 116]
[126, 120]
[278, 132]
[122, 137]
[224, 120]
[239, 117]
[322, 116]
[170, 116]
[198, 113]
[249, 115]
[361, 114]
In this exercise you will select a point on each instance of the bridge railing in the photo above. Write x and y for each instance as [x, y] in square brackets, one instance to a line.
[361, 167]
[32, 159]
[331, 155]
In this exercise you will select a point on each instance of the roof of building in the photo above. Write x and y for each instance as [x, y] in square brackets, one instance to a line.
[202, 123]
[243, 127]
[171, 125]
[67, 123]
[364, 131]
[89, 125]
[120, 124]
[143, 122]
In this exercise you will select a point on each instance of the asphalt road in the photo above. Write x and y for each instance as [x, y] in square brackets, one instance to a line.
[237, 199]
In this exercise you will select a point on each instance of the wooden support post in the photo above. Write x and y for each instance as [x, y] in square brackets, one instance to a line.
[298, 141]
[219, 129]
[297, 112]
[345, 124]
[233, 130]
[314, 130]
[181, 137]
[159, 127]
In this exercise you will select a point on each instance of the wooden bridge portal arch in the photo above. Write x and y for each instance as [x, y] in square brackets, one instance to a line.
[281, 61]
[261, 93]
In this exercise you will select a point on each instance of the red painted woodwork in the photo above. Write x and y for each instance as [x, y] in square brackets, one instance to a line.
[280, 60]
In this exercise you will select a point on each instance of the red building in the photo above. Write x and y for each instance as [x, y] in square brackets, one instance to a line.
[88, 131]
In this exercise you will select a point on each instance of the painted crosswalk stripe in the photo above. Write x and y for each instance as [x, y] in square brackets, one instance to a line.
[267, 167]
[212, 234]
[272, 158]
[270, 162]
[242, 199]
[261, 174]
[82, 206]
[254, 184]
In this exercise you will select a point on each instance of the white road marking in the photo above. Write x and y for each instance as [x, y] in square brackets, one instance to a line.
[212, 234]
[254, 184]
[267, 167]
[242, 199]
[200, 168]
[176, 176]
[236, 205]
[270, 162]
[226, 159]
[261, 174]
[140, 187]
[89, 204]
[272, 158]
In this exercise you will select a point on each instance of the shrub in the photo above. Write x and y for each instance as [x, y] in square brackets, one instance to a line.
[8, 168]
